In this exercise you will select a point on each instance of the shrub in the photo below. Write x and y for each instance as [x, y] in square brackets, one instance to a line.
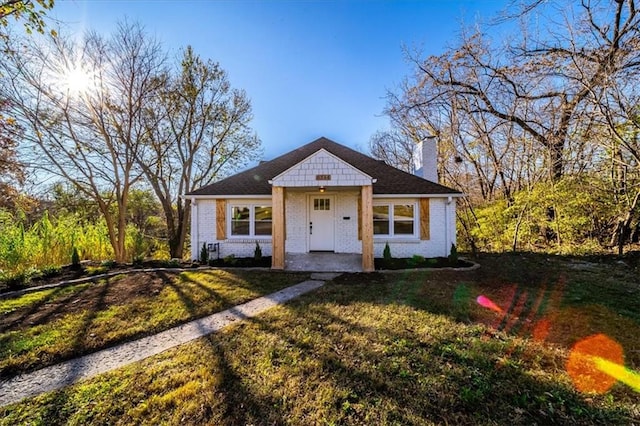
[18, 280]
[108, 263]
[257, 253]
[386, 253]
[574, 215]
[173, 263]
[139, 248]
[50, 271]
[75, 259]
[453, 255]
[230, 260]
[204, 254]
[416, 260]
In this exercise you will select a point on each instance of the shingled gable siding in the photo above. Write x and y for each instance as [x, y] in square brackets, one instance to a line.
[306, 173]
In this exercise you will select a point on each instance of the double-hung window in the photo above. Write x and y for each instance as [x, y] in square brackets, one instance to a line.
[394, 219]
[250, 220]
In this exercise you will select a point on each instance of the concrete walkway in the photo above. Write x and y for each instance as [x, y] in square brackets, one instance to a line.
[72, 371]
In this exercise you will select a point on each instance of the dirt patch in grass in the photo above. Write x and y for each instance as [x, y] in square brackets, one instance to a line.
[117, 290]
[54, 275]
[49, 326]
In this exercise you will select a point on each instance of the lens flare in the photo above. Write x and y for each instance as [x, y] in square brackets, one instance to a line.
[485, 302]
[541, 330]
[619, 372]
[589, 363]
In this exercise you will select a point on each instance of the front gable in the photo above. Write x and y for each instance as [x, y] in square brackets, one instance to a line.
[322, 169]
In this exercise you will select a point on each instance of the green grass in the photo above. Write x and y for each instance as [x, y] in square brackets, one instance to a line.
[192, 295]
[36, 298]
[410, 348]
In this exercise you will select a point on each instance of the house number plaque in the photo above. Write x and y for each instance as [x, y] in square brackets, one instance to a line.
[323, 177]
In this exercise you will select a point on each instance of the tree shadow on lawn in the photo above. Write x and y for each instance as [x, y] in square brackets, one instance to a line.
[352, 354]
[188, 302]
[80, 334]
[37, 311]
[396, 374]
[529, 295]
[238, 402]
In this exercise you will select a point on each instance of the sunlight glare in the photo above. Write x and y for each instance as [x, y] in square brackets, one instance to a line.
[77, 80]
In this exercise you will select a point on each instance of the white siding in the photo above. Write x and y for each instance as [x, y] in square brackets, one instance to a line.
[206, 232]
[442, 213]
[347, 229]
[437, 245]
[295, 205]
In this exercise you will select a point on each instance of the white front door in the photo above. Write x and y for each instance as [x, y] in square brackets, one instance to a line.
[321, 222]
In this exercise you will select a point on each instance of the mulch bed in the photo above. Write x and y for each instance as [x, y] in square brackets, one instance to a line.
[413, 263]
[241, 262]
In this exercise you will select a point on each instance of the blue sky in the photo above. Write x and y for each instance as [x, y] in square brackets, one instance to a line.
[310, 68]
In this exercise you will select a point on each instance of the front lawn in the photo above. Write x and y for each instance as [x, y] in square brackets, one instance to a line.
[48, 326]
[418, 347]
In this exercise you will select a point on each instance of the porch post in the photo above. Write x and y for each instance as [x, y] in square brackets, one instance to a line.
[367, 228]
[277, 228]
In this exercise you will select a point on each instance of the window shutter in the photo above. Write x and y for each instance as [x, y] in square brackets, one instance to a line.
[221, 219]
[424, 218]
[359, 218]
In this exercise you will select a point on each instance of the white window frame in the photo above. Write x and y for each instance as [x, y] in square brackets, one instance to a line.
[390, 205]
[252, 220]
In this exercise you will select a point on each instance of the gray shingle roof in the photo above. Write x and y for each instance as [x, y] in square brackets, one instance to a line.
[390, 180]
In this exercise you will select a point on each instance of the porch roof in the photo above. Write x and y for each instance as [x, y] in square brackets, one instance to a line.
[389, 180]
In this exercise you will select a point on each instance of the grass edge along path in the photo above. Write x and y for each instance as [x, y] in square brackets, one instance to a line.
[69, 372]
[109, 312]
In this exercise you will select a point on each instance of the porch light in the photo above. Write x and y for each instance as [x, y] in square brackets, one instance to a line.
[322, 189]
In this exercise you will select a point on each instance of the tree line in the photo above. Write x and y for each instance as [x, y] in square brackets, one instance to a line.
[111, 115]
[539, 126]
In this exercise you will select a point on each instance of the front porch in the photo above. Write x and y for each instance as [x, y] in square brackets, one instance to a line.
[315, 183]
[323, 262]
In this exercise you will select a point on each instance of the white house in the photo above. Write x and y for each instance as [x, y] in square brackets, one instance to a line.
[324, 196]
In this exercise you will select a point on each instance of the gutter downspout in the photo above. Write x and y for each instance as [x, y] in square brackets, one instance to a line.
[447, 224]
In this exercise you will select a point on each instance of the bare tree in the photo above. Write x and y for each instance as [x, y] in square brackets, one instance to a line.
[394, 148]
[541, 84]
[82, 106]
[11, 170]
[556, 98]
[199, 128]
[619, 119]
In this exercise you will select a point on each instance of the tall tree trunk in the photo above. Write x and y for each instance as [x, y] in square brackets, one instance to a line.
[622, 231]
[177, 229]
